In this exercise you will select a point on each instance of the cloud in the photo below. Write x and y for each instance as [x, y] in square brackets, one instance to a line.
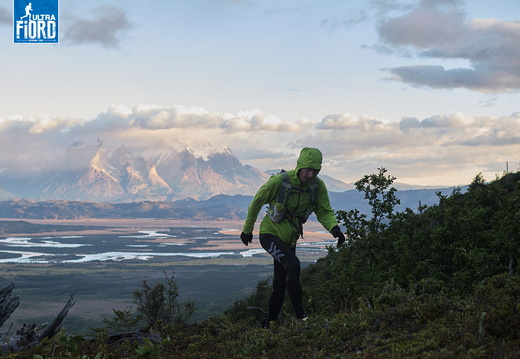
[5, 17]
[445, 148]
[431, 26]
[32, 143]
[444, 121]
[490, 102]
[331, 23]
[437, 77]
[407, 123]
[347, 121]
[440, 31]
[143, 126]
[461, 130]
[503, 131]
[37, 125]
[452, 145]
[156, 117]
[108, 27]
[257, 121]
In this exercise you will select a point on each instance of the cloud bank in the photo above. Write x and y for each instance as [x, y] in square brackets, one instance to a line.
[437, 150]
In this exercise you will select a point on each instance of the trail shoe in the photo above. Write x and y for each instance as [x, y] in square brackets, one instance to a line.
[303, 317]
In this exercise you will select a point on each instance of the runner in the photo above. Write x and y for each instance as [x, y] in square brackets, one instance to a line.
[293, 196]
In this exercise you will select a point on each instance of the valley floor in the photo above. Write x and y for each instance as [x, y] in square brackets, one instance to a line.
[102, 286]
[313, 230]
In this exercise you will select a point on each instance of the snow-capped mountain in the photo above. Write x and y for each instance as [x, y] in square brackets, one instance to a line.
[196, 177]
[91, 173]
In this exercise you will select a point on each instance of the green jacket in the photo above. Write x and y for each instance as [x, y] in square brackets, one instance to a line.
[298, 202]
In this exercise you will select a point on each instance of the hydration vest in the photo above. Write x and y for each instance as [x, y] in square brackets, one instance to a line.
[278, 210]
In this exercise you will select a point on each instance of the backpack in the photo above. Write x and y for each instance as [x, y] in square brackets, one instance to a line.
[277, 210]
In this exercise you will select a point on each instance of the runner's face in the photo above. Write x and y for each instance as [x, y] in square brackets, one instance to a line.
[307, 174]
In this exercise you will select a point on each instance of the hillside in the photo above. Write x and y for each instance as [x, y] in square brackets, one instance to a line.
[442, 282]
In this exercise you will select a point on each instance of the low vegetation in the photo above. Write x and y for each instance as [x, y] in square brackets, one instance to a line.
[442, 282]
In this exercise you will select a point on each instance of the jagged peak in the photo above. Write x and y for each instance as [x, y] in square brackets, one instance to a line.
[156, 178]
[152, 171]
[95, 162]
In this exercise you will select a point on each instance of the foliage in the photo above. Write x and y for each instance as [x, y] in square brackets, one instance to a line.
[463, 240]
[160, 305]
[382, 201]
[69, 348]
[122, 321]
[150, 349]
[353, 272]
[157, 307]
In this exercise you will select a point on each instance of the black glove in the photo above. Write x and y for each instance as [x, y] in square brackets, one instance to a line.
[247, 238]
[336, 233]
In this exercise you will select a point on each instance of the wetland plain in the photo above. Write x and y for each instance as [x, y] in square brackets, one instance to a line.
[108, 260]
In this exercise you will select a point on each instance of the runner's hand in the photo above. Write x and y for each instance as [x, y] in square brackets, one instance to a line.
[246, 238]
[336, 233]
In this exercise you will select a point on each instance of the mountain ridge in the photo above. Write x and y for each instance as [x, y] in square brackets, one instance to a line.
[219, 207]
[92, 173]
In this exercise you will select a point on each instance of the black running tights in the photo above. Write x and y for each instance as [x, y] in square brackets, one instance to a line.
[286, 276]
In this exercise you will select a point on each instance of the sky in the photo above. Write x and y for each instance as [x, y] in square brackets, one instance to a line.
[428, 89]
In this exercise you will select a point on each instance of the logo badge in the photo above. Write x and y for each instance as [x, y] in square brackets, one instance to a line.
[36, 21]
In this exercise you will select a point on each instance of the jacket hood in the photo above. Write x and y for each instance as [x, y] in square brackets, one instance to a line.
[309, 158]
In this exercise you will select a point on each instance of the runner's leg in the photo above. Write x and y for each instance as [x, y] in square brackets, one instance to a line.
[285, 258]
[278, 292]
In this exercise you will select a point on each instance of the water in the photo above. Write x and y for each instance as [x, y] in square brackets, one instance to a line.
[144, 245]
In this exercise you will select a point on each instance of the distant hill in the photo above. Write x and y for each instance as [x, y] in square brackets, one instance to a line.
[213, 209]
[10, 227]
[409, 198]
[220, 207]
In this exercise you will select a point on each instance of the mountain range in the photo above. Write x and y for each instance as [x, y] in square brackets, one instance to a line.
[91, 173]
[158, 183]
